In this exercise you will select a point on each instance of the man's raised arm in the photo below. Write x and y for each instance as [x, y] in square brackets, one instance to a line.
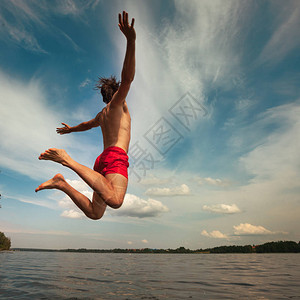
[128, 70]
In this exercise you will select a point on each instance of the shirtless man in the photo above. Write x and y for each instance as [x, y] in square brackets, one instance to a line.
[109, 178]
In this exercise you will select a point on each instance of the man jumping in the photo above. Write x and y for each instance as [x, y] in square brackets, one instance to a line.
[109, 178]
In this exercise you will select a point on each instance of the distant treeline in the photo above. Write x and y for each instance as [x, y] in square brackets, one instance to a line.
[272, 247]
[4, 242]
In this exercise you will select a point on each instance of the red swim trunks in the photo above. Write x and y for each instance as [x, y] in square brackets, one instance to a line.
[112, 160]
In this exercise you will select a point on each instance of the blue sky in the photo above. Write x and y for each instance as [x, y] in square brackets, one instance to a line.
[214, 157]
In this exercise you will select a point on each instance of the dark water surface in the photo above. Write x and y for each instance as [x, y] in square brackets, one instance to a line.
[48, 275]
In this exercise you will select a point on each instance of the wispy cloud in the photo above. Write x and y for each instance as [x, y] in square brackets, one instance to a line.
[266, 160]
[248, 229]
[25, 122]
[16, 27]
[67, 38]
[216, 234]
[272, 166]
[32, 200]
[210, 32]
[73, 8]
[84, 83]
[285, 38]
[72, 214]
[20, 36]
[222, 208]
[212, 181]
[173, 191]
[23, 22]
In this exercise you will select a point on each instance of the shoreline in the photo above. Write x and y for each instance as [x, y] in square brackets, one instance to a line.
[271, 247]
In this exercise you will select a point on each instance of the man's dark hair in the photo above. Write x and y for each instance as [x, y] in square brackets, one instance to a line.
[107, 87]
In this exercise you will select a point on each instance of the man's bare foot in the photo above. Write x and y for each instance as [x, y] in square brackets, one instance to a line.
[57, 155]
[54, 183]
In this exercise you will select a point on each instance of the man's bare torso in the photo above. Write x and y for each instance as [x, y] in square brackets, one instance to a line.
[115, 123]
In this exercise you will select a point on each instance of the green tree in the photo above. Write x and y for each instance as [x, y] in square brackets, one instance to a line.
[5, 242]
[278, 247]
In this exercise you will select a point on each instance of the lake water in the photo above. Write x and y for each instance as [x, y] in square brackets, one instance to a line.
[53, 275]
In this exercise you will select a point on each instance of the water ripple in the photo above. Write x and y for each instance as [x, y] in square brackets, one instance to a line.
[31, 275]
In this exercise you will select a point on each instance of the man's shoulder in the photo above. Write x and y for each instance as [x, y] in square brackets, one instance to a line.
[99, 117]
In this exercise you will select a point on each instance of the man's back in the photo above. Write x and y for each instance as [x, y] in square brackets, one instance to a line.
[115, 123]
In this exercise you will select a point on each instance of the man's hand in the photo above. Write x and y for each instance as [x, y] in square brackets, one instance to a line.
[63, 130]
[127, 30]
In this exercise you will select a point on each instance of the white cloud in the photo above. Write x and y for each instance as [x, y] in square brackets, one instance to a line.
[244, 104]
[81, 186]
[145, 241]
[134, 206]
[32, 200]
[71, 210]
[20, 36]
[175, 191]
[27, 128]
[209, 31]
[17, 28]
[66, 203]
[266, 160]
[73, 8]
[129, 243]
[244, 229]
[216, 234]
[28, 19]
[222, 208]
[248, 229]
[273, 167]
[72, 214]
[212, 181]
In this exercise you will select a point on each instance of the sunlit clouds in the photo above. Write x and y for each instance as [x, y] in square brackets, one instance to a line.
[248, 229]
[216, 234]
[173, 191]
[134, 206]
[222, 208]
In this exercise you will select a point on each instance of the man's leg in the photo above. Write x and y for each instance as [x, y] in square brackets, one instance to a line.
[93, 210]
[111, 188]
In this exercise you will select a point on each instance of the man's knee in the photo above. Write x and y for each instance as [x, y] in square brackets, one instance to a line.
[96, 216]
[116, 201]
[117, 204]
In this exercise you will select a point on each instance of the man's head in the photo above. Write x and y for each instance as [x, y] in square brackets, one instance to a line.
[107, 87]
